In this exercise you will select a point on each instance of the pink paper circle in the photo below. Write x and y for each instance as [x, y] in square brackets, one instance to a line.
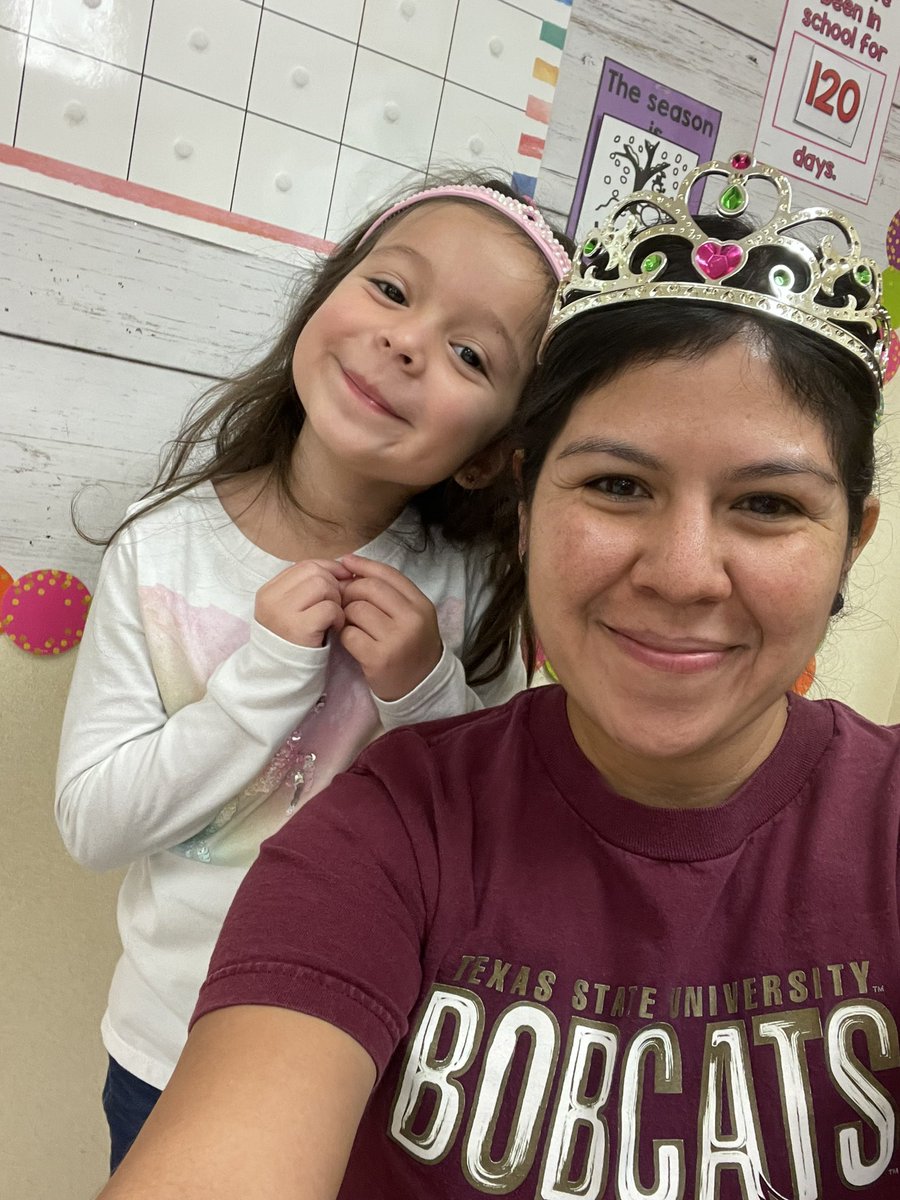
[893, 358]
[43, 612]
[893, 240]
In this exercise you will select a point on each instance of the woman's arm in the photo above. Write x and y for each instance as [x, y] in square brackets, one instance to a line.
[264, 1104]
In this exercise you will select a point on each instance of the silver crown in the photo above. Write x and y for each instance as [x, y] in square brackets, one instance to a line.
[611, 268]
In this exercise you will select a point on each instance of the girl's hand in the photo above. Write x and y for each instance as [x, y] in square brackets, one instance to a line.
[391, 627]
[303, 602]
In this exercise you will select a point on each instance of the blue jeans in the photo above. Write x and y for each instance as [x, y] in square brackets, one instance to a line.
[127, 1102]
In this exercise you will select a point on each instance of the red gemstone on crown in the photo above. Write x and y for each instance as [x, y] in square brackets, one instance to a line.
[741, 161]
[715, 260]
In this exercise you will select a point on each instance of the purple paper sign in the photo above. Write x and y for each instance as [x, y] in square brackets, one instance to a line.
[642, 135]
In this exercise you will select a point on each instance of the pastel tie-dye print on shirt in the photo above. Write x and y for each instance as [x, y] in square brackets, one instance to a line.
[188, 643]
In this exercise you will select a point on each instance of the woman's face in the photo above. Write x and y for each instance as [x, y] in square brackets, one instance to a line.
[686, 539]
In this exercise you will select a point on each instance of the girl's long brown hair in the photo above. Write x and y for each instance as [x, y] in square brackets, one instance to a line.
[253, 419]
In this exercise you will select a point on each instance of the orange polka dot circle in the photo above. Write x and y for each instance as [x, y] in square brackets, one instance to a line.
[6, 580]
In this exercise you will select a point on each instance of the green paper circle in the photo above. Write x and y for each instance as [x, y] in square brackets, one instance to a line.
[891, 297]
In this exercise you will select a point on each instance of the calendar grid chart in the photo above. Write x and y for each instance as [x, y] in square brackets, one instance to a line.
[279, 115]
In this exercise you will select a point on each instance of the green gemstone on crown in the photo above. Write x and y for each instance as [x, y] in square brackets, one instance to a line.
[650, 263]
[590, 245]
[782, 277]
[863, 275]
[733, 199]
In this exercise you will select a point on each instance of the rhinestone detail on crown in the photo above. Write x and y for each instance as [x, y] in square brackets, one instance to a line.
[609, 267]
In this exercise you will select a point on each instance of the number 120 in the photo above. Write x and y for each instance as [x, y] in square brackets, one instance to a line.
[848, 93]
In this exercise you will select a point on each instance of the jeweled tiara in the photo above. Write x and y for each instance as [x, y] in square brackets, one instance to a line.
[614, 264]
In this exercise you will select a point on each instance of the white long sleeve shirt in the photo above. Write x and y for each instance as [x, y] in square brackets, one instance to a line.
[192, 733]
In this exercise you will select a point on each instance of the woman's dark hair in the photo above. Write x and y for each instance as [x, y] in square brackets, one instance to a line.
[593, 348]
[253, 419]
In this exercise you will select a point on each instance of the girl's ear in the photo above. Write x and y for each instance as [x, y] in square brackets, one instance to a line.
[483, 468]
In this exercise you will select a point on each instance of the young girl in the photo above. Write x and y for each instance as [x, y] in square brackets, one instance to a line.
[332, 569]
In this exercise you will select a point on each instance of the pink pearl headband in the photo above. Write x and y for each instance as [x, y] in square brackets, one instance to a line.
[526, 216]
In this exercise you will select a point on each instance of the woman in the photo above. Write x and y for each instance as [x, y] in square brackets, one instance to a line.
[637, 935]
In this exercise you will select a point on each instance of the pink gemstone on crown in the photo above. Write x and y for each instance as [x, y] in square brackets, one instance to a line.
[741, 161]
[715, 260]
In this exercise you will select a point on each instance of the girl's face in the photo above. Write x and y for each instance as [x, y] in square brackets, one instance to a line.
[686, 539]
[417, 359]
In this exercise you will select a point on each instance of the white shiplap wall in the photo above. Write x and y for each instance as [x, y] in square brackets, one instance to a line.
[108, 328]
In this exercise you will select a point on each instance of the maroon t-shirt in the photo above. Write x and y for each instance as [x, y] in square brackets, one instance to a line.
[569, 994]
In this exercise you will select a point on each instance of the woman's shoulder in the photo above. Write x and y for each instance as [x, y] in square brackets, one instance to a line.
[854, 741]
[441, 791]
[851, 723]
[492, 741]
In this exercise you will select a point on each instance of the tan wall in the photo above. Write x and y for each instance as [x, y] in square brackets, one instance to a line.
[58, 945]
[860, 660]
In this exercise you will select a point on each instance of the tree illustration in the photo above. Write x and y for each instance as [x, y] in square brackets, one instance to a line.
[647, 171]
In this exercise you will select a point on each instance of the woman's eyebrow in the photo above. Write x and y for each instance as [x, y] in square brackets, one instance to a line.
[598, 445]
[802, 465]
